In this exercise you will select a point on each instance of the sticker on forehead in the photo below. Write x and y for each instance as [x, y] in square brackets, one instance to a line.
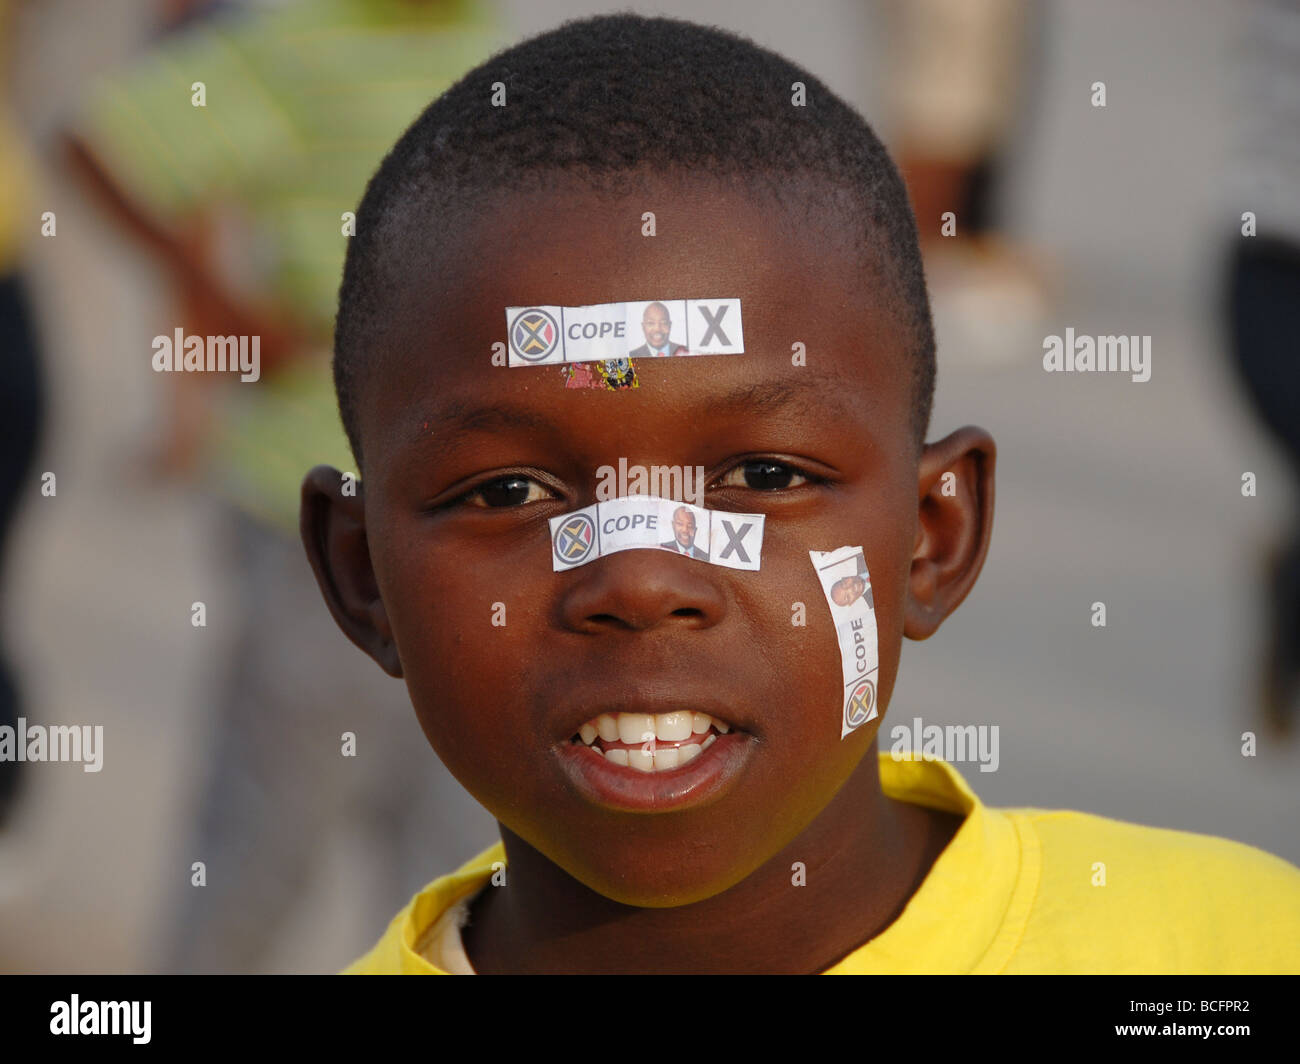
[847, 586]
[611, 332]
[612, 375]
[648, 522]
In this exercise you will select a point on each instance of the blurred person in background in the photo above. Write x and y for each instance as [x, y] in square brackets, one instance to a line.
[238, 189]
[1263, 305]
[956, 75]
[21, 385]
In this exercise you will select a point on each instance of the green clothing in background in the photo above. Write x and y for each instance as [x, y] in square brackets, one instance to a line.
[302, 102]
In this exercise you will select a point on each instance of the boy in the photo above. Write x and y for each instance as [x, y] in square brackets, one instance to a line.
[629, 159]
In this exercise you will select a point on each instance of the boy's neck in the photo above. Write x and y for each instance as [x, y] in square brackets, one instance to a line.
[865, 856]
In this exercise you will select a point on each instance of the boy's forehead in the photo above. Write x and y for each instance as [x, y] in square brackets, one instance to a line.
[584, 247]
[814, 335]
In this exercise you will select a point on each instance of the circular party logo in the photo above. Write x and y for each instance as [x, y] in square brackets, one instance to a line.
[535, 335]
[857, 711]
[574, 539]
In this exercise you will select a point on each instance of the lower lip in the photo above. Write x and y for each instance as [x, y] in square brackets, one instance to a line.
[703, 779]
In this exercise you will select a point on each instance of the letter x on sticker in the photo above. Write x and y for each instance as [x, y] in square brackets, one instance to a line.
[715, 326]
[734, 537]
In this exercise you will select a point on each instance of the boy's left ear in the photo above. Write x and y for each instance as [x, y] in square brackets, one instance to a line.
[333, 527]
[955, 521]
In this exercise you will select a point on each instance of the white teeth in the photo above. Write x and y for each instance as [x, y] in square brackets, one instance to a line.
[673, 727]
[632, 727]
[639, 759]
[662, 759]
[636, 727]
[641, 731]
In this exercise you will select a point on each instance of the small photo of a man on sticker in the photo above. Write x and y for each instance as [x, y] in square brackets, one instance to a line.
[656, 324]
[848, 589]
[683, 541]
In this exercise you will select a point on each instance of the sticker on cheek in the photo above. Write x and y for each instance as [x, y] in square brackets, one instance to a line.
[633, 522]
[847, 587]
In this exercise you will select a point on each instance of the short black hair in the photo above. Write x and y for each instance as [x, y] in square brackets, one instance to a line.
[605, 99]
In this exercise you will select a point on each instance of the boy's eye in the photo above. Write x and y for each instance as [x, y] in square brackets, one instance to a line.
[507, 491]
[763, 475]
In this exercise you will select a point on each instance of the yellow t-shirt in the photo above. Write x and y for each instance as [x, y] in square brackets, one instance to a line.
[1016, 891]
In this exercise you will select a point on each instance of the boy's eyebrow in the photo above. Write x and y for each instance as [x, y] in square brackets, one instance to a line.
[812, 393]
[816, 394]
[457, 419]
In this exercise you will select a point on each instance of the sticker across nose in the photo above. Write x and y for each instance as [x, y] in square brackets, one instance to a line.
[631, 522]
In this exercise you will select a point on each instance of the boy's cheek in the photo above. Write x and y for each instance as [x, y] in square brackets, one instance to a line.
[470, 632]
[457, 625]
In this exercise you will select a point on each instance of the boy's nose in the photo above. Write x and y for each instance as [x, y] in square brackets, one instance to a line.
[640, 589]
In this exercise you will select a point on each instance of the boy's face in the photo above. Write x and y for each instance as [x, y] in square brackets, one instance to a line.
[453, 544]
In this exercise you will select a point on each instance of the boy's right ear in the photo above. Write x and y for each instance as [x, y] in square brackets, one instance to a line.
[333, 527]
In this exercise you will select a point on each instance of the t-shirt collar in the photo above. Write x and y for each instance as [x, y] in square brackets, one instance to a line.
[965, 917]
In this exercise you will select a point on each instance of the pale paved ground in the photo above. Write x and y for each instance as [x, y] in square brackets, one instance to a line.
[1108, 490]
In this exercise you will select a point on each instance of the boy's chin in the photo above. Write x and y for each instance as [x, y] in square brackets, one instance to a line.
[662, 887]
[673, 872]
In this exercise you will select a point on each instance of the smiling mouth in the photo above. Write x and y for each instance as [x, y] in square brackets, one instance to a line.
[649, 742]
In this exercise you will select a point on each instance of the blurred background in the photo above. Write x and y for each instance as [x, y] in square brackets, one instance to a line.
[123, 214]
